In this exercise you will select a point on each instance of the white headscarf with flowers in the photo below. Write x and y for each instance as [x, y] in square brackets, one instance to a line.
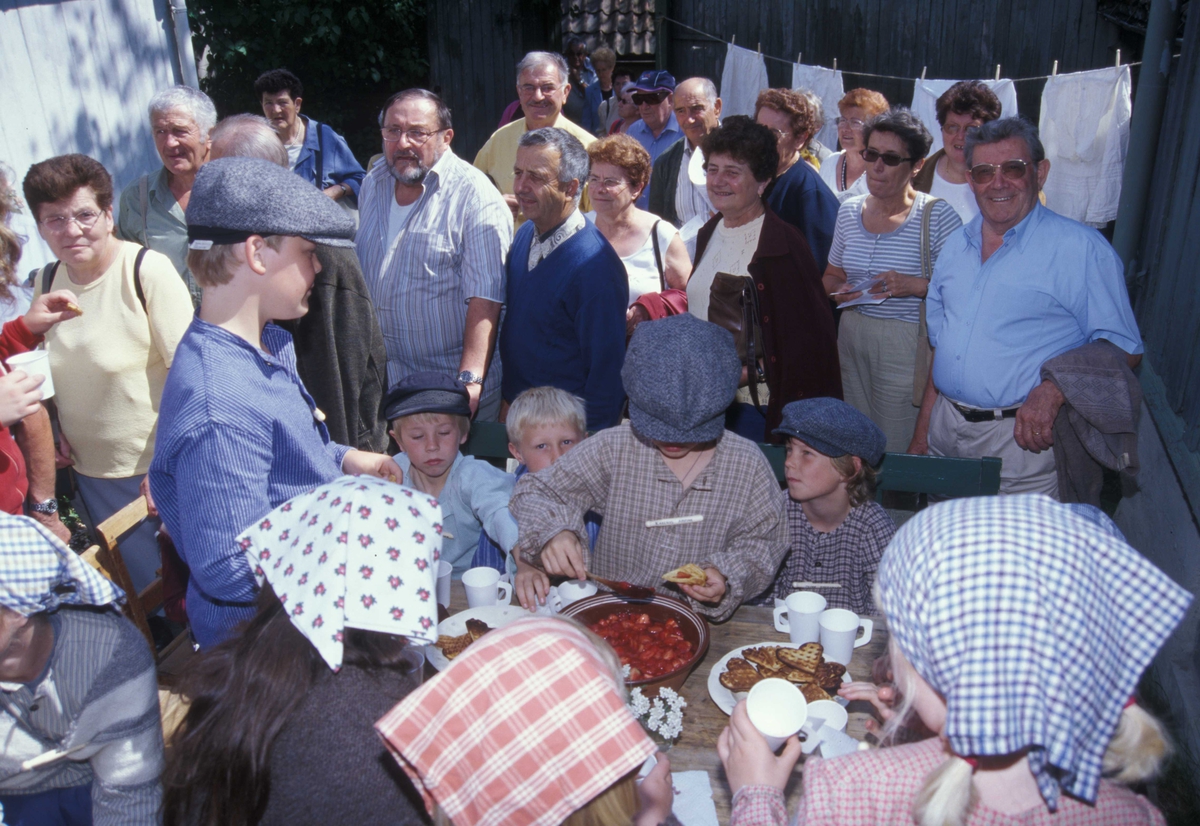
[358, 552]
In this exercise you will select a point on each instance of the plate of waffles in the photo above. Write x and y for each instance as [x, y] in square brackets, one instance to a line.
[803, 665]
[456, 633]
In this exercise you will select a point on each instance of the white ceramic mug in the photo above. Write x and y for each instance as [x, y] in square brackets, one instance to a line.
[573, 590]
[777, 709]
[800, 617]
[34, 363]
[445, 573]
[840, 634]
[484, 587]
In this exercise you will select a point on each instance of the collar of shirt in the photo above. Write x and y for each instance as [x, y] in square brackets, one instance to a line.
[671, 130]
[274, 339]
[539, 249]
[704, 480]
[1018, 236]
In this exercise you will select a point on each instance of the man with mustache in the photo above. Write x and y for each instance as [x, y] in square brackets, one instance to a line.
[432, 241]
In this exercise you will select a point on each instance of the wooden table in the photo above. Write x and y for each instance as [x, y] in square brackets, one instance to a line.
[703, 722]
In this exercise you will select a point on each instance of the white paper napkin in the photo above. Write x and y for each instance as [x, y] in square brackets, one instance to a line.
[693, 799]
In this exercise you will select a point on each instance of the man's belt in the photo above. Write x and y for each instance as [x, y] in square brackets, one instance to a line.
[975, 415]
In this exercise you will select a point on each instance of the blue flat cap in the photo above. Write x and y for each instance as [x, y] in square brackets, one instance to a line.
[680, 374]
[655, 80]
[834, 428]
[427, 393]
[234, 198]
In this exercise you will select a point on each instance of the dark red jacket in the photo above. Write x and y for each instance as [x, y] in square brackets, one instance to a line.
[799, 340]
[14, 481]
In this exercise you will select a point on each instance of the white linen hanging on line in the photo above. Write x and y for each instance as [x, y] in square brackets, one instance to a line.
[744, 76]
[926, 93]
[827, 85]
[1085, 130]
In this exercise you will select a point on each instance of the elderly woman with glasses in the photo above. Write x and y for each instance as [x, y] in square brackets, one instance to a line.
[877, 266]
[110, 365]
[843, 171]
[966, 104]
[152, 207]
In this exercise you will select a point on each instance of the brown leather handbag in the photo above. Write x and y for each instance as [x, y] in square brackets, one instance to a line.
[733, 304]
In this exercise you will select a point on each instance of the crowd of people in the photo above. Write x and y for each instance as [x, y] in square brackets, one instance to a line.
[284, 352]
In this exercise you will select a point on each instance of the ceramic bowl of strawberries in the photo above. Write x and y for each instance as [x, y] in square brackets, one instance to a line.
[661, 639]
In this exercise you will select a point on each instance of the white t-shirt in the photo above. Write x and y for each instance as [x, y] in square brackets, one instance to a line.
[958, 196]
[728, 251]
[293, 150]
[397, 218]
[831, 174]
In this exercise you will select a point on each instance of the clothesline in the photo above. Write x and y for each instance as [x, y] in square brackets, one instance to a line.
[848, 71]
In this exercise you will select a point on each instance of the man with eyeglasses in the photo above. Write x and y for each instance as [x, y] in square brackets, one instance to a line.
[542, 86]
[1015, 288]
[677, 184]
[658, 130]
[432, 240]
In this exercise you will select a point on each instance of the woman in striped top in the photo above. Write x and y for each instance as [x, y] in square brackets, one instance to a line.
[877, 238]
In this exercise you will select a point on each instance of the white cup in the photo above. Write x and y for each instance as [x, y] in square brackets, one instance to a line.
[445, 573]
[34, 363]
[413, 662]
[573, 590]
[484, 587]
[777, 709]
[552, 606]
[827, 712]
[839, 634]
[800, 617]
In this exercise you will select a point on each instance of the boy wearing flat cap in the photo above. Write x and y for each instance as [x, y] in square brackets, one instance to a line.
[429, 416]
[237, 432]
[673, 487]
[836, 531]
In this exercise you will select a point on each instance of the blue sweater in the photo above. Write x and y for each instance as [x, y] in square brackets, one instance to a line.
[565, 322]
[801, 198]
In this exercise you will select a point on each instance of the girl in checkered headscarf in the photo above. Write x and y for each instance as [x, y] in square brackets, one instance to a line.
[1019, 630]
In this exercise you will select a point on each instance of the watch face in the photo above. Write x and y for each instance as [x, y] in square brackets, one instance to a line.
[467, 377]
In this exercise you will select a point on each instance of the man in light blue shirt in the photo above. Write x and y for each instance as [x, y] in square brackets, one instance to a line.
[1014, 288]
[658, 130]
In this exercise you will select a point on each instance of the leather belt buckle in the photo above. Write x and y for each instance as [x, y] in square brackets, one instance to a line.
[977, 416]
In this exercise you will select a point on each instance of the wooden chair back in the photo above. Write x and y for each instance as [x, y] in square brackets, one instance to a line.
[106, 557]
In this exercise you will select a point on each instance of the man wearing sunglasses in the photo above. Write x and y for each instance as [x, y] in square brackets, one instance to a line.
[653, 94]
[1016, 287]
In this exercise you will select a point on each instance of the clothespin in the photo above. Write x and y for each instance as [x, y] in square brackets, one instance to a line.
[835, 64]
[799, 57]
[733, 40]
[1054, 70]
[760, 48]
[1118, 58]
[923, 68]
[997, 71]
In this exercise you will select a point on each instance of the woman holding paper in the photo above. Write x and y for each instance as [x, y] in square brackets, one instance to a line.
[875, 267]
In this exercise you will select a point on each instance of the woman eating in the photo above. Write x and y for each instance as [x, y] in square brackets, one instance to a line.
[279, 730]
[843, 171]
[877, 245]
[754, 271]
[1019, 630]
[966, 104]
[654, 254]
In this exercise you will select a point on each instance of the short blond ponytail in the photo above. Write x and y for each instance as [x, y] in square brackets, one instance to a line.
[947, 795]
[1138, 748]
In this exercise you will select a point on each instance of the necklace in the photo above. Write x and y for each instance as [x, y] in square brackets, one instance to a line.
[845, 163]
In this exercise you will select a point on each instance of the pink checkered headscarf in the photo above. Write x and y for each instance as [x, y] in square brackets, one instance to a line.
[525, 727]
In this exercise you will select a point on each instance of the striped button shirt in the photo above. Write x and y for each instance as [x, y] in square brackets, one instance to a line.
[238, 435]
[450, 250]
[92, 717]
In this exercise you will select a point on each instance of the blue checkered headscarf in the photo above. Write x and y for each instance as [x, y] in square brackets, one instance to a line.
[1034, 621]
[39, 573]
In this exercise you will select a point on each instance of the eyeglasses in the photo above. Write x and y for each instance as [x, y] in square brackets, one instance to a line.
[608, 184]
[889, 158]
[528, 89]
[85, 220]
[780, 134]
[983, 173]
[853, 123]
[651, 98]
[415, 136]
[954, 128]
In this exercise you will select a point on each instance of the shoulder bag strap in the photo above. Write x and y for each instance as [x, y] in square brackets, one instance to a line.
[48, 273]
[320, 156]
[137, 279]
[144, 198]
[662, 275]
[926, 249]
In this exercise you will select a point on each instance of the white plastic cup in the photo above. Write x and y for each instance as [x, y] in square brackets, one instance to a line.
[840, 634]
[484, 587]
[823, 712]
[414, 662]
[573, 590]
[445, 573]
[552, 606]
[800, 617]
[777, 709]
[34, 363]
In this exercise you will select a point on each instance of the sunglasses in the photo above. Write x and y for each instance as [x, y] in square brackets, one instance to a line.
[888, 158]
[652, 98]
[983, 173]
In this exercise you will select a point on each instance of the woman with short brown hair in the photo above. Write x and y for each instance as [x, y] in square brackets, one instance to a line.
[966, 104]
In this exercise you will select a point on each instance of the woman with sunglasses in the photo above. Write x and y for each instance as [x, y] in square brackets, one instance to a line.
[876, 255]
[843, 171]
[627, 110]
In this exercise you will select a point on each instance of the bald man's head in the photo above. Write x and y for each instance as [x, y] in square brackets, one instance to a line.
[247, 136]
[697, 108]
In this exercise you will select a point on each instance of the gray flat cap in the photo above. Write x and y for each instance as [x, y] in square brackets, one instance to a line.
[234, 198]
[834, 428]
[680, 374]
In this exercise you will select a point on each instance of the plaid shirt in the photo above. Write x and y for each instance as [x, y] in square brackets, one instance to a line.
[1035, 624]
[849, 554]
[626, 481]
[869, 788]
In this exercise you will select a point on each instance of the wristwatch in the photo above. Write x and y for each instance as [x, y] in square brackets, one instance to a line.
[45, 508]
[467, 377]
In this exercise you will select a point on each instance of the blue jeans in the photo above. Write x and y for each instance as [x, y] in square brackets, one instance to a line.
[71, 806]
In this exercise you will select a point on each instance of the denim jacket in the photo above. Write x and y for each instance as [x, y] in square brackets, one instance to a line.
[327, 150]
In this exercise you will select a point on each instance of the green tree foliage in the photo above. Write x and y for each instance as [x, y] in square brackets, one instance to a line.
[349, 54]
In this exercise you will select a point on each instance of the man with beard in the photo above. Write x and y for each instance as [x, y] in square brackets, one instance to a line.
[432, 241]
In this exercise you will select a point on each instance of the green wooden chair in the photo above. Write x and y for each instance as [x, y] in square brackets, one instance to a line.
[488, 440]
